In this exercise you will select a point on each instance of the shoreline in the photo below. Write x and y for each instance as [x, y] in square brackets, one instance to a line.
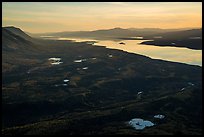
[168, 43]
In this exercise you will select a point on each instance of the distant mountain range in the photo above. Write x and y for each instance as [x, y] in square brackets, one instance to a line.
[179, 37]
[190, 38]
[110, 33]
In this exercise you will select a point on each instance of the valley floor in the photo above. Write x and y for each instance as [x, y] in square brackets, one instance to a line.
[97, 91]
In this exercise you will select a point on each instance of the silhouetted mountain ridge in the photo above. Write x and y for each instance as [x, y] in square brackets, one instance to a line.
[19, 32]
[187, 38]
[14, 38]
[114, 32]
[184, 34]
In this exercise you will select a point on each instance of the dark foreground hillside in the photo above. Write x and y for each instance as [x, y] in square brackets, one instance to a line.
[102, 92]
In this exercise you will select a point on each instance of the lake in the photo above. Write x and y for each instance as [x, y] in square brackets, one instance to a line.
[175, 54]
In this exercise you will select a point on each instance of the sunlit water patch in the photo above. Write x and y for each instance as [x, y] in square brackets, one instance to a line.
[80, 60]
[55, 61]
[195, 38]
[158, 37]
[66, 80]
[84, 68]
[137, 37]
[175, 54]
[159, 116]
[47, 36]
[140, 124]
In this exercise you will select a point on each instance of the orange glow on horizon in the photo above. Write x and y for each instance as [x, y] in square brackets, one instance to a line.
[48, 17]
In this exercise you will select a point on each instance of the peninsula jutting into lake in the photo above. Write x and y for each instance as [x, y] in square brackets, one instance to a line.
[101, 79]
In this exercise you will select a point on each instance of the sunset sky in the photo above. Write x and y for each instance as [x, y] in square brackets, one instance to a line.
[37, 17]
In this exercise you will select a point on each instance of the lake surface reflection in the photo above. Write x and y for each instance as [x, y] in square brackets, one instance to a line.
[175, 54]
